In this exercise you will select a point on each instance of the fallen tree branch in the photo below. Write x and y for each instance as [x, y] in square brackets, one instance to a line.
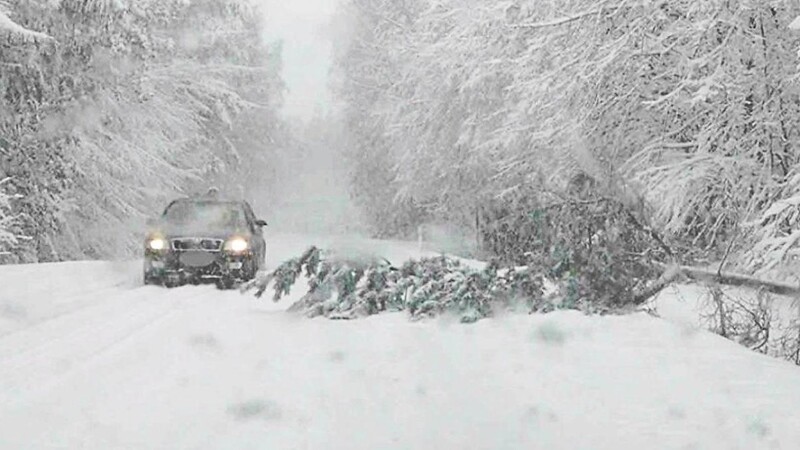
[735, 279]
[668, 277]
[568, 19]
[650, 232]
[629, 215]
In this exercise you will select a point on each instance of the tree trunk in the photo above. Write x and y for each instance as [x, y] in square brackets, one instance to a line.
[729, 279]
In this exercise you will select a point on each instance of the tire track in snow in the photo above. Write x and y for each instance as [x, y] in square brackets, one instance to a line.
[49, 331]
[82, 305]
[64, 347]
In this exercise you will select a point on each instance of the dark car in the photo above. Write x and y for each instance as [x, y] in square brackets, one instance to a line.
[199, 240]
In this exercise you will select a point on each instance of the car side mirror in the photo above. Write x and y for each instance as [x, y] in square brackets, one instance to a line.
[261, 223]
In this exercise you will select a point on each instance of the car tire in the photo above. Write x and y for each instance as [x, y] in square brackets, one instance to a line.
[252, 269]
[225, 283]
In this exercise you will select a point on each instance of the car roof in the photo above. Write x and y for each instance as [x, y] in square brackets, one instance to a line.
[207, 200]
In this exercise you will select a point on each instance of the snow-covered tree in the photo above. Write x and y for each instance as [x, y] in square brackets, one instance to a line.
[369, 69]
[136, 101]
[685, 111]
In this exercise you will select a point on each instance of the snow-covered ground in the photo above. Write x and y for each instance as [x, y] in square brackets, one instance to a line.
[89, 359]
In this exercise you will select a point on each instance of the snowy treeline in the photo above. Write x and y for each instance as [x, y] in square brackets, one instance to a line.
[685, 111]
[111, 106]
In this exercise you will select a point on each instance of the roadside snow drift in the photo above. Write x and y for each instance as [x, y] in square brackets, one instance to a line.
[89, 359]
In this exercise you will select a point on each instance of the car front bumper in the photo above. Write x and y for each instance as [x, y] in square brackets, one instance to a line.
[178, 267]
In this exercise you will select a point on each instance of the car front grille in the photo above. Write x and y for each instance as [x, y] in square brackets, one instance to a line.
[197, 244]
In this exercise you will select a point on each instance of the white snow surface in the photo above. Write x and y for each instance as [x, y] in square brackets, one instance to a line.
[90, 359]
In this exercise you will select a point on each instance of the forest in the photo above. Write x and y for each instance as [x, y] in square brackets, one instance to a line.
[109, 108]
[664, 129]
[580, 133]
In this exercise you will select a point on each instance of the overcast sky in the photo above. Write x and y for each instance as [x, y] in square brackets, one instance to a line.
[303, 26]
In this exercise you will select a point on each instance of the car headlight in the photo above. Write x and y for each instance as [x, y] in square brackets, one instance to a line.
[157, 244]
[236, 245]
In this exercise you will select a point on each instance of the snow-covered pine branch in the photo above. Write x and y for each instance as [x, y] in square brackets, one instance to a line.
[8, 26]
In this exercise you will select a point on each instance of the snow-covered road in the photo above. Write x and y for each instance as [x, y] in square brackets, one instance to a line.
[91, 360]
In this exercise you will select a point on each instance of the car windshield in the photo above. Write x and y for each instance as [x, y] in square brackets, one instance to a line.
[205, 215]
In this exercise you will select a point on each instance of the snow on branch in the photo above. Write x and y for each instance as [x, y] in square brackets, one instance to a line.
[9, 26]
[7, 238]
[568, 19]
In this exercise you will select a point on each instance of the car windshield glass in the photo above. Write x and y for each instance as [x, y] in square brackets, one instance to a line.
[198, 215]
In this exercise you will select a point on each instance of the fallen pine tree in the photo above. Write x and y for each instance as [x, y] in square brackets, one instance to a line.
[346, 286]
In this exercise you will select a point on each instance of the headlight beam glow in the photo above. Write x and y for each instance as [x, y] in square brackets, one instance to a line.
[157, 244]
[236, 245]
